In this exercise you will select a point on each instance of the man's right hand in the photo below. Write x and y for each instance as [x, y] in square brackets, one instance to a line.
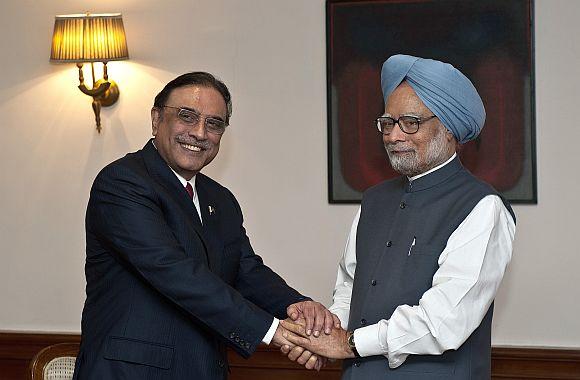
[333, 346]
[297, 353]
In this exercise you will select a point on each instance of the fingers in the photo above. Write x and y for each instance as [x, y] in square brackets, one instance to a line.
[309, 317]
[328, 322]
[285, 349]
[317, 366]
[336, 321]
[278, 339]
[314, 314]
[293, 311]
[319, 319]
[297, 339]
[305, 357]
[311, 362]
[296, 353]
[296, 345]
[316, 317]
[320, 363]
[295, 328]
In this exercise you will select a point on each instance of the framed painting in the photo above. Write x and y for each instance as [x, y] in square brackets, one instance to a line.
[491, 41]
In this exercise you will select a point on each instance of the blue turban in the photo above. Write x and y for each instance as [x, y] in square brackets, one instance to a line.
[448, 93]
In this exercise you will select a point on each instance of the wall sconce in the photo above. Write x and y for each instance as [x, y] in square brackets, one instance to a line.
[91, 38]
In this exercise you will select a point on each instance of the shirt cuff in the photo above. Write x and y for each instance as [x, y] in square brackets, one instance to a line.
[368, 341]
[271, 331]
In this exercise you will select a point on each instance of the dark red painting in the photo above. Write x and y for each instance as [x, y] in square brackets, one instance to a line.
[490, 41]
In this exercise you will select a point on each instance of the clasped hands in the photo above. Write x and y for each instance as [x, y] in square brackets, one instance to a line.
[311, 335]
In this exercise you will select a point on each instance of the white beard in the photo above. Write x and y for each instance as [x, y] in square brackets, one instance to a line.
[410, 165]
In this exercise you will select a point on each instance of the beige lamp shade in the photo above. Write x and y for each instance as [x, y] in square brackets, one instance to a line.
[89, 38]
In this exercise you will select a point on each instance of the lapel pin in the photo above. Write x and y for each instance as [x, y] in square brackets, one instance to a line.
[211, 210]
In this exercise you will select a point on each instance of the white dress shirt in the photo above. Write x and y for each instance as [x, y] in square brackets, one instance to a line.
[272, 330]
[471, 268]
[195, 197]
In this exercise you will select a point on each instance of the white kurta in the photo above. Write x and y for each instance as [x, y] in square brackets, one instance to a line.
[471, 268]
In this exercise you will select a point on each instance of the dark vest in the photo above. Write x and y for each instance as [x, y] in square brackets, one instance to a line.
[393, 214]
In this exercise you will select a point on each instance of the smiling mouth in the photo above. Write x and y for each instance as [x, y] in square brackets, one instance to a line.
[393, 151]
[192, 148]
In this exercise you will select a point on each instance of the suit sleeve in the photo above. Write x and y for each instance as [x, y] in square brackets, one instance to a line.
[125, 215]
[258, 283]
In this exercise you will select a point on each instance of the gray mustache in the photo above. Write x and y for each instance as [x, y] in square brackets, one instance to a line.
[196, 143]
[392, 147]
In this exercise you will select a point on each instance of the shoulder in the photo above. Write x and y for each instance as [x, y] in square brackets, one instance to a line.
[492, 210]
[497, 206]
[128, 169]
[488, 196]
[476, 183]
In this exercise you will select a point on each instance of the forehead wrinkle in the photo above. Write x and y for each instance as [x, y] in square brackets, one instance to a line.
[405, 100]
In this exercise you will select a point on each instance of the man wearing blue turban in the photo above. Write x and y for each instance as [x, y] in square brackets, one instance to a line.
[427, 251]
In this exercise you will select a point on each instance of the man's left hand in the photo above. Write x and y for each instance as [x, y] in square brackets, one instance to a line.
[316, 317]
[332, 346]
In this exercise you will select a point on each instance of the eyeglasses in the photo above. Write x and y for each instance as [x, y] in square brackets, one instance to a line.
[408, 123]
[190, 117]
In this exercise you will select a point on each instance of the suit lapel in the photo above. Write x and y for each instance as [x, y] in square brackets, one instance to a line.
[162, 174]
[210, 213]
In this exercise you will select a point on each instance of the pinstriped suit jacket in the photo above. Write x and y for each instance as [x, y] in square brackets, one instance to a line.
[165, 293]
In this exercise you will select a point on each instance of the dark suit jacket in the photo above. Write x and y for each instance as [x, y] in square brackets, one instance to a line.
[164, 292]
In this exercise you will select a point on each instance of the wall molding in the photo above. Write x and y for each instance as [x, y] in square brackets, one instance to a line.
[508, 363]
[536, 363]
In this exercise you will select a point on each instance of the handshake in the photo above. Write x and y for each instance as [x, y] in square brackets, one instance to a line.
[311, 335]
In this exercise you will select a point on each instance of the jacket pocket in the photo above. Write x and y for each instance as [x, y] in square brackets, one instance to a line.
[433, 250]
[139, 352]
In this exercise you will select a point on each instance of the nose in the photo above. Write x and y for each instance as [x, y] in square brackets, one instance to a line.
[396, 134]
[197, 130]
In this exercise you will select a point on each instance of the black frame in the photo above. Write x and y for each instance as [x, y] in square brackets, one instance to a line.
[529, 139]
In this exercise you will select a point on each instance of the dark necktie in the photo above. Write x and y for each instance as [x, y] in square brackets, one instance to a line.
[189, 189]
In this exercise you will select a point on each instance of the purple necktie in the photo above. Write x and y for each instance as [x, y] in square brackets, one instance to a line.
[189, 189]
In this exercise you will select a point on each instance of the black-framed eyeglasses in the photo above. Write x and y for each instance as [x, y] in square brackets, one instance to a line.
[190, 117]
[408, 123]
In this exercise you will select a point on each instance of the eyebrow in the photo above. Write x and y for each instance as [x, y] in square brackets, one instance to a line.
[414, 115]
[386, 114]
[217, 117]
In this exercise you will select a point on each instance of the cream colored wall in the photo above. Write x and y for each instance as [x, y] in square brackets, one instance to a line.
[272, 55]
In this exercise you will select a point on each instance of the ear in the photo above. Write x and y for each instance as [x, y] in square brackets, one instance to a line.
[155, 119]
[451, 140]
[449, 135]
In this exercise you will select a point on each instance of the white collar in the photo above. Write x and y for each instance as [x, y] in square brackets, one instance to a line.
[183, 180]
[430, 170]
